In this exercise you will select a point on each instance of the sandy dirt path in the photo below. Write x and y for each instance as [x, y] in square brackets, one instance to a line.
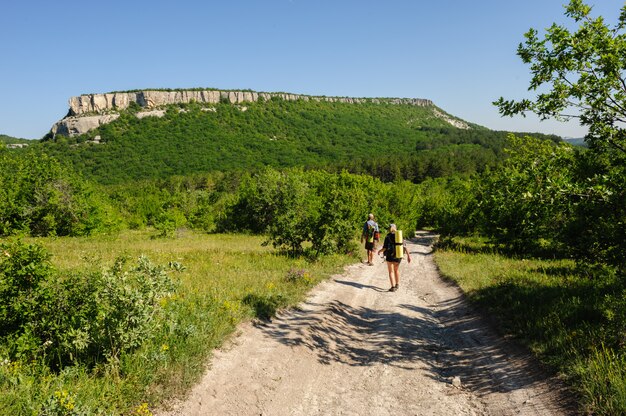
[353, 348]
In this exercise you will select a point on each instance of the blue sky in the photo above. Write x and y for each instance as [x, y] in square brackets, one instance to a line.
[458, 53]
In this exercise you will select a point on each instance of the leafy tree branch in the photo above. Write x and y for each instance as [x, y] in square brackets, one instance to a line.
[584, 71]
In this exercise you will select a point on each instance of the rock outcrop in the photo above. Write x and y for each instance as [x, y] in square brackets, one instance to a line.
[73, 125]
[90, 111]
[459, 124]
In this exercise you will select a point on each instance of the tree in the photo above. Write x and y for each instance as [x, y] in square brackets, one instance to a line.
[40, 196]
[526, 202]
[584, 71]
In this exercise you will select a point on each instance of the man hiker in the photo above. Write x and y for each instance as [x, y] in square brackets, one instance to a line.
[370, 235]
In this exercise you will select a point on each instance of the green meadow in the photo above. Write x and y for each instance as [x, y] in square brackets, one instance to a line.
[222, 281]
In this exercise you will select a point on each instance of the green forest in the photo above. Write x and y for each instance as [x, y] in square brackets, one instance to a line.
[362, 138]
[284, 185]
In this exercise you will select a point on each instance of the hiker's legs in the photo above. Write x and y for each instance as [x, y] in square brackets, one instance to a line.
[396, 273]
[390, 270]
[369, 247]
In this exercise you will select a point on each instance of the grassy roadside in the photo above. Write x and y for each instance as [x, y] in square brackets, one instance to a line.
[223, 280]
[572, 318]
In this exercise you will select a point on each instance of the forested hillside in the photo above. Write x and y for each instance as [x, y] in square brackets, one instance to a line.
[390, 140]
[8, 139]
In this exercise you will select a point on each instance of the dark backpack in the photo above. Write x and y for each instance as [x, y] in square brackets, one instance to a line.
[390, 247]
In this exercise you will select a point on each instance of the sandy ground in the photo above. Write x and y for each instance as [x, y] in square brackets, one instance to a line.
[353, 348]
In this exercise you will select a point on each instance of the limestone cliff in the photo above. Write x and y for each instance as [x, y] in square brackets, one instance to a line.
[97, 103]
[89, 111]
[73, 126]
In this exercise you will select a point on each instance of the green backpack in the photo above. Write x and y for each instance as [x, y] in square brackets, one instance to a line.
[371, 231]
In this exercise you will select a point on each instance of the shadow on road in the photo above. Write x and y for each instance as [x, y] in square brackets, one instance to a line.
[447, 342]
[360, 285]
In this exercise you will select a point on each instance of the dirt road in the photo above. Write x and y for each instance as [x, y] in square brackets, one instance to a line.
[353, 348]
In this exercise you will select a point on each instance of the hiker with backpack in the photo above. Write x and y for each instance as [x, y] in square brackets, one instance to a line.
[371, 235]
[394, 251]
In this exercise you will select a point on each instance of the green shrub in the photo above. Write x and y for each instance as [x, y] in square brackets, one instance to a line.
[77, 319]
[41, 197]
[62, 403]
[23, 268]
[266, 305]
[315, 211]
[95, 318]
[168, 222]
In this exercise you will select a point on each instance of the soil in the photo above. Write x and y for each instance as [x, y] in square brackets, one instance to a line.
[354, 348]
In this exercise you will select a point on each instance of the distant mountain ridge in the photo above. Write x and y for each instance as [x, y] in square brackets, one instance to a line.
[576, 141]
[90, 111]
[147, 134]
[9, 139]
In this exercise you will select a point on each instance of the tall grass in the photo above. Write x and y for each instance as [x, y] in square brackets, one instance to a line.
[570, 316]
[224, 280]
[603, 381]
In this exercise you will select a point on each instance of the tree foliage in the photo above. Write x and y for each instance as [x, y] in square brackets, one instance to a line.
[526, 201]
[40, 196]
[319, 210]
[584, 73]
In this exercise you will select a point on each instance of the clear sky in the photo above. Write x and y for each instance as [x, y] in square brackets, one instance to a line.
[458, 53]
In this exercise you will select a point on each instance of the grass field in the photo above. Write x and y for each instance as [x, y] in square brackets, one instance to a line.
[223, 280]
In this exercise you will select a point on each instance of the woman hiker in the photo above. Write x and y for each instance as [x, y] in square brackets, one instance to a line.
[393, 262]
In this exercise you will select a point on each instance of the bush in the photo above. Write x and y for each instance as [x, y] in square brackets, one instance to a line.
[62, 403]
[196, 201]
[41, 197]
[77, 319]
[22, 269]
[265, 306]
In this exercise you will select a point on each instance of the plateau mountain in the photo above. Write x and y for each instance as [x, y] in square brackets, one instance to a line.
[120, 136]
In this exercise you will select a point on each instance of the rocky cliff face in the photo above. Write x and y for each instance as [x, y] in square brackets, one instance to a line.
[90, 103]
[89, 111]
[73, 126]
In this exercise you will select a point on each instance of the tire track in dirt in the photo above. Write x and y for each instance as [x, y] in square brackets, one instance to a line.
[353, 348]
